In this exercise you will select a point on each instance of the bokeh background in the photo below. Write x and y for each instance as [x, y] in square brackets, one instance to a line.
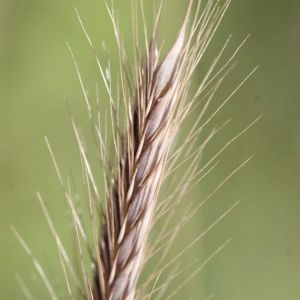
[38, 88]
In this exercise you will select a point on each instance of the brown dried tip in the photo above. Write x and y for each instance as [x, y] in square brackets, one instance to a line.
[132, 200]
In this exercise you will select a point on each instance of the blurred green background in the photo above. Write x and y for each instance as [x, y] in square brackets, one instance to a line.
[38, 78]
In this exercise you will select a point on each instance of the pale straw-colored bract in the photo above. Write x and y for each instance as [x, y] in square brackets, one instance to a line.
[154, 111]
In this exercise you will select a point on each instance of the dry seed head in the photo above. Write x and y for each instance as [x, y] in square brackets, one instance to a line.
[157, 110]
[132, 201]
